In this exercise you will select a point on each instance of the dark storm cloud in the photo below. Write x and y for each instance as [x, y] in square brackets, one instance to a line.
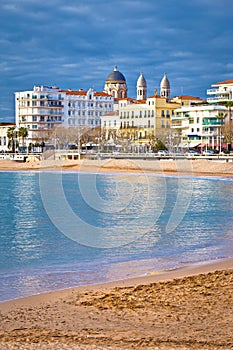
[76, 43]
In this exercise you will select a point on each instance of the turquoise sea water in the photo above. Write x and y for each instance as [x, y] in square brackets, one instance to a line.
[62, 230]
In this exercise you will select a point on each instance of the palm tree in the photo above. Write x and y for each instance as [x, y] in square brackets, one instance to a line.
[220, 118]
[11, 135]
[23, 133]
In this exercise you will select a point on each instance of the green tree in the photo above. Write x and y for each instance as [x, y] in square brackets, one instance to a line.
[227, 133]
[160, 145]
[23, 133]
[12, 138]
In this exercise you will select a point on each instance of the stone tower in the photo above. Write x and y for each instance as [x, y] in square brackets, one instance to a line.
[141, 88]
[165, 87]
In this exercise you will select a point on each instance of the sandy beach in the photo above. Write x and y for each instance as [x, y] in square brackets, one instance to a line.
[188, 308]
[203, 167]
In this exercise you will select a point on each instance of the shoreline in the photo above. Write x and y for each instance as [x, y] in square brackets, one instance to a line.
[192, 269]
[190, 167]
[187, 308]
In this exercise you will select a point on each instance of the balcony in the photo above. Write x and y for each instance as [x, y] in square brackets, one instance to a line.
[219, 98]
[176, 124]
[212, 91]
[212, 122]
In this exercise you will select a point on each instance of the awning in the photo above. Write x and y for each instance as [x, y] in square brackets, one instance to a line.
[193, 144]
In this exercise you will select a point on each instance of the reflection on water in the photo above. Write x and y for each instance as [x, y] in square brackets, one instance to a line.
[36, 256]
[26, 242]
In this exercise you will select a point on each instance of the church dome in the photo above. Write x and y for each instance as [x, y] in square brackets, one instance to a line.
[165, 84]
[116, 76]
[141, 81]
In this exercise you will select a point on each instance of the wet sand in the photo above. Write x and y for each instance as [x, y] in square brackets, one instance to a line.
[189, 308]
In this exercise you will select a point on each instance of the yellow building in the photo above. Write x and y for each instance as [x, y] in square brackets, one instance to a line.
[146, 120]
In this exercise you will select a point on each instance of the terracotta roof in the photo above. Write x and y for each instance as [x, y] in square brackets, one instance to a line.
[126, 99]
[189, 98]
[83, 93]
[157, 96]
[224, 82]
[101, 94]
[7, 124]
[71, 92]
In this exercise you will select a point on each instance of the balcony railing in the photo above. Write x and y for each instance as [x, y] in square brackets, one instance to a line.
[212, 123]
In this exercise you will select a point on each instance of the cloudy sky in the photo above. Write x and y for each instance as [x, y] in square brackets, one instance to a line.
[75, 44]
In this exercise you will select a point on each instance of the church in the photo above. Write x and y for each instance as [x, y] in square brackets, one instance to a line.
[139, 120]
[116, 86]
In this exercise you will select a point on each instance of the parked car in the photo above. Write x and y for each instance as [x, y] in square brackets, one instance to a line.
[163, 152]
[191, 153]
[208, 152]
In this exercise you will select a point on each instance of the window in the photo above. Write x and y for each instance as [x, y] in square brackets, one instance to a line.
[162, 113]
[34, 118]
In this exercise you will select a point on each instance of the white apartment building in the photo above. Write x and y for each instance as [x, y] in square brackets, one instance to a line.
[200, 125]
[39, 111]
[44, 108]
[86, 107]
[221, 92]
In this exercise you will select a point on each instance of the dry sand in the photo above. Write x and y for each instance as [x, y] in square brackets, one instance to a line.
[161, 311]
[187, 166]
[189, 308]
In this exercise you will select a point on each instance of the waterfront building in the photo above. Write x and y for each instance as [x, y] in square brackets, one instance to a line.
[221, 92]
[145, 120]
[200, 126]
[84, 108]
[45, 108]
[39, 111]
[4, 141]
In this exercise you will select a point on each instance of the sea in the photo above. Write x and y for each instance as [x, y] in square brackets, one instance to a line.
[64, 229]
